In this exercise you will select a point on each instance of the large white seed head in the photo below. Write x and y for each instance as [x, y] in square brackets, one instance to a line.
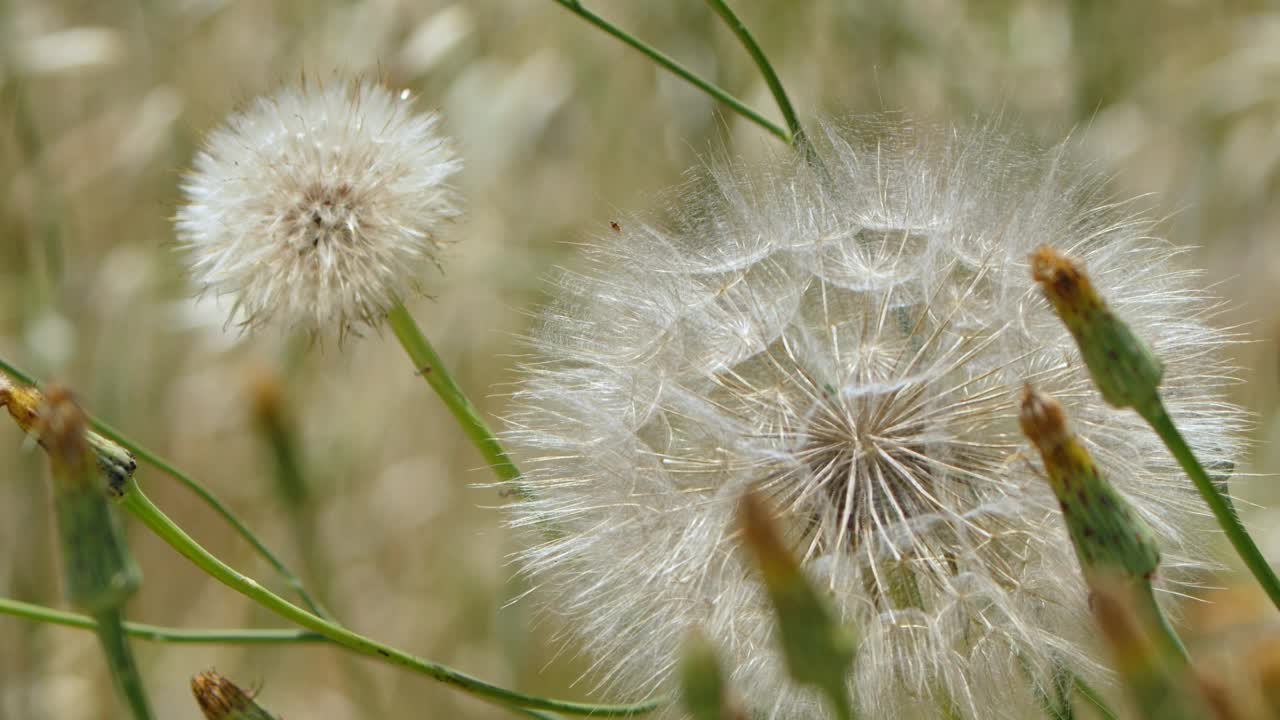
[319, 207]
[852, 343]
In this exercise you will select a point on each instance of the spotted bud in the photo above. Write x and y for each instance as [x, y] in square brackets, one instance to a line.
[1104, 529]
[1123, 367]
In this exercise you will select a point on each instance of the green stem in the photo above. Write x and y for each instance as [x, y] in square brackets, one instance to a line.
[156, 633]
[115, 644]
[1166, 638]
[200, 491]
[575, 7]
[798, 138]
[1159, 419]
[1094, 698]
[433, 370]
[536, 715]
[151, 516]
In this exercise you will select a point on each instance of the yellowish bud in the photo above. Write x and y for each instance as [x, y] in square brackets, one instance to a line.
[1107, 534]
[1123, 367]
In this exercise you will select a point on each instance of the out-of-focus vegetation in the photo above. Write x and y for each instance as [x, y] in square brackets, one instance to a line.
[103, 102]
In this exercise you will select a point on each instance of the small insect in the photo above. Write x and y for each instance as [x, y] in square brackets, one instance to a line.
[616, 227]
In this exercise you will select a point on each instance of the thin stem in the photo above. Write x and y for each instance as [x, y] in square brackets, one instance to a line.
[1094, 698]
[1166, 638]
[798, 139]
[151, 516]
[157, 633]
[1159, 419]
[432, 369]
[115, 645]
[575, 7]
[200, 491]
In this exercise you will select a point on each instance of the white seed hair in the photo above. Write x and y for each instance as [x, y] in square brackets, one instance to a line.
[851, 341]
[319, 207]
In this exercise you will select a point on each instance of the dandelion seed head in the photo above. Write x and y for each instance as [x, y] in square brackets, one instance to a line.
[852, 345]
[319, 207]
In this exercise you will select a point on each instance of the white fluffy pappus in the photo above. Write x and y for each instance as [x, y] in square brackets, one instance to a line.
[852, 345]
[319, 207]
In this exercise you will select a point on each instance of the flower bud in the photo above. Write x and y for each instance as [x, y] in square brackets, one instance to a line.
[99, 571]
[1104, 529]
[1123, 367]
[702, 681]
[221, 699]
[115, 463]
[819, 650]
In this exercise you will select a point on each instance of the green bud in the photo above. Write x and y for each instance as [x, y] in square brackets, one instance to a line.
[99, 572]
[819, 650]
[1107, 535]
[702, 682]
[221, 699]
[1123, 367]
[115, 464]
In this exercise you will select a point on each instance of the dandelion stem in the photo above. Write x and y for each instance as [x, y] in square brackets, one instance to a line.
[433, 370]
[115, 644]
[157, 633]
[151, 516]
[195, 487]
[1169, 645]
[1094, 698]
[1155, 414]
[575, 7]
[798, 138]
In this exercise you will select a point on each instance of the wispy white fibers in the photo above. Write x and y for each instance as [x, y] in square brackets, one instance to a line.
[316, 208]
[852, 344]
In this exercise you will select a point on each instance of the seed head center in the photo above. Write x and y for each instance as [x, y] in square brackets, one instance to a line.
[325, 215]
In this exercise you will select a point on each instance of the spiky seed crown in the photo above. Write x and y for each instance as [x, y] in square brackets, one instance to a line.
[854, 347]
[318, 207]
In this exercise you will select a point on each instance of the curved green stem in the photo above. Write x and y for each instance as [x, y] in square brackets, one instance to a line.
[195, 487]
[157, 633]
[1094, 698]
[1156, 415]
[575, 7]
[798, 139]
[433, 370]
[1168, 644]
[142, 508]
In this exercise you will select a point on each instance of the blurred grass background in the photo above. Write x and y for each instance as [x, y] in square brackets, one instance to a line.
[102, 103]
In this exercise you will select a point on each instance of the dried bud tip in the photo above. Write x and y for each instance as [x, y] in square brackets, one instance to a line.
[1042, 420]
[761, 537]
[61, 426]
[264, 388]
[22, 402]
[221, 699]
[1065, 283]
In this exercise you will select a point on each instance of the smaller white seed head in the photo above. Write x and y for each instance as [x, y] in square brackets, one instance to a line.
[318, 207]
